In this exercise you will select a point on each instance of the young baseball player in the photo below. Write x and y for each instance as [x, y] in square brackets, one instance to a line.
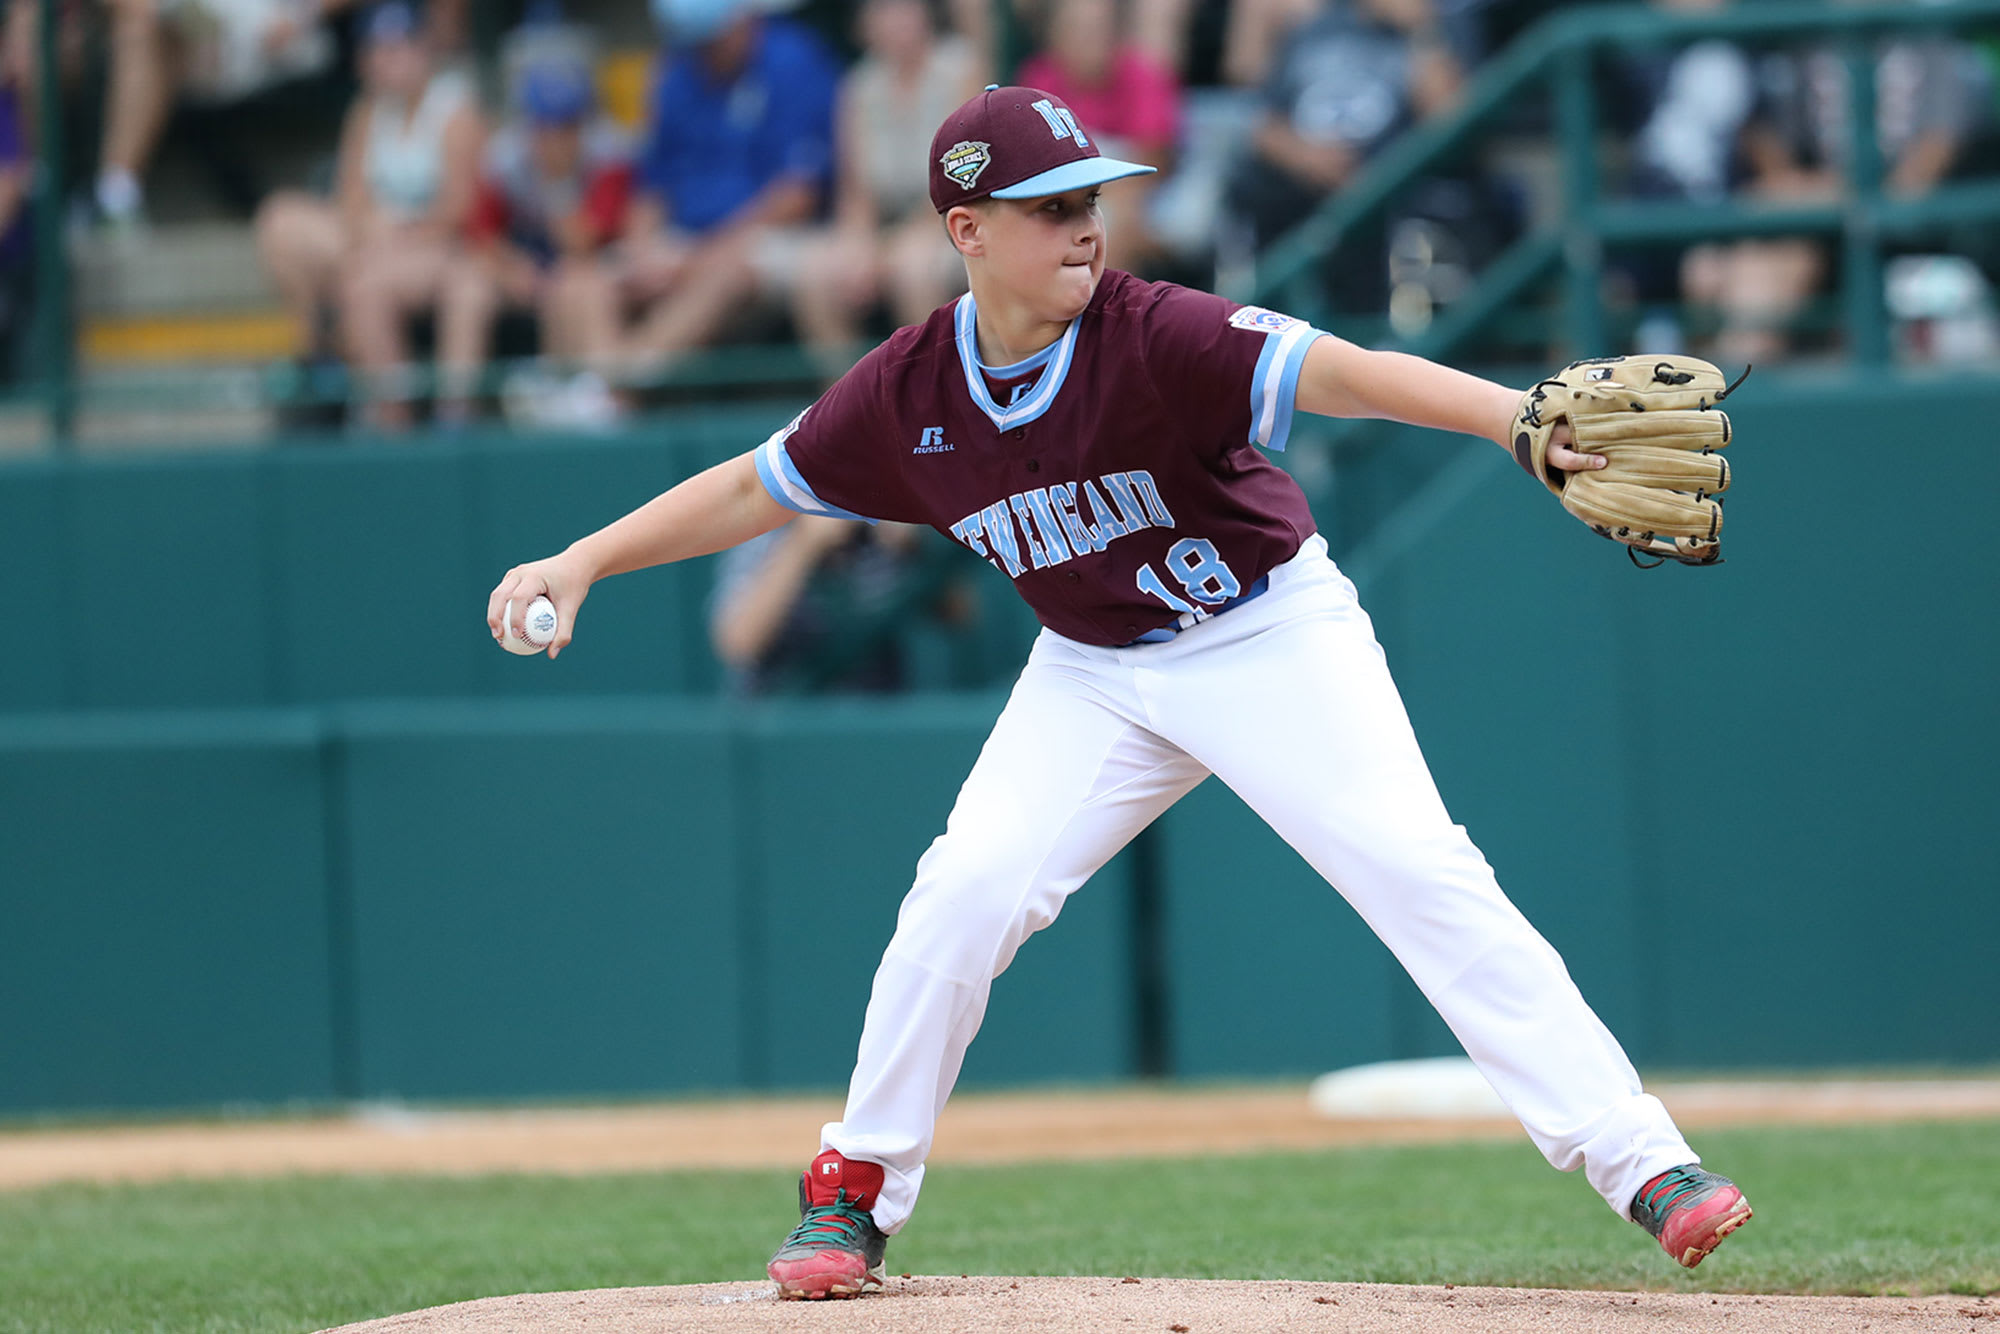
[1097, 440]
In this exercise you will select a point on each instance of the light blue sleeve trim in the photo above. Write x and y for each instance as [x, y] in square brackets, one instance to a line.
[1257, 384]
[1288, 389]
[781, 478]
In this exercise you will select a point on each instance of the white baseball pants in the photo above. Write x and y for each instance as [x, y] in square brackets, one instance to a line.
[1288, 700]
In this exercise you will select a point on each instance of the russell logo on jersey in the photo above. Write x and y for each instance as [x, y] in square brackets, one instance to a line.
[932, 441]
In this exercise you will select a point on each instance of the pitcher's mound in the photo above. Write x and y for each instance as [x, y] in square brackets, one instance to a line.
[1148, 1306]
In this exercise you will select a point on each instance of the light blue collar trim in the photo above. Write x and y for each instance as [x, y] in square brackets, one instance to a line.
[1021, 367]
[1056, 357]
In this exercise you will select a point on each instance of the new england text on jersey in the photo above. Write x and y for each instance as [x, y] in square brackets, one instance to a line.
[1063, 520]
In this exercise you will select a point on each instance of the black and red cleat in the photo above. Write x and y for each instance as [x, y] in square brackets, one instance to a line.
[1689, 1211]
[836, 1250]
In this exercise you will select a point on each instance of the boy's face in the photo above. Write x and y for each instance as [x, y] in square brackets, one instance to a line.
[1046, 253]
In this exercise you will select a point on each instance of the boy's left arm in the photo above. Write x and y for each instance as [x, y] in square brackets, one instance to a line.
[1343, 379]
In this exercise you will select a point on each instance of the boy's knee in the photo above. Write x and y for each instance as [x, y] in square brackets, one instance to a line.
[967, 933]
[973, 904]
[1442, 855]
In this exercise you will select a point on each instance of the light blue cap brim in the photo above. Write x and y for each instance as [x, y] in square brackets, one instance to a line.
[1072, 176]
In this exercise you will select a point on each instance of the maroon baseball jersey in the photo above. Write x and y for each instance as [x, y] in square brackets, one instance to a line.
[1114, 476]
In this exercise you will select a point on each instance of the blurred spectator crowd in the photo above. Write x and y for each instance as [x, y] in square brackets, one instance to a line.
[528, 226]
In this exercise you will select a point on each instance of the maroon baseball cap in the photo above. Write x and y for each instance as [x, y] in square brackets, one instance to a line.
[1016, 143]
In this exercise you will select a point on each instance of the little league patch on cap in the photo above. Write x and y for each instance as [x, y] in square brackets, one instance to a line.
[965, 162]
[1016, 143]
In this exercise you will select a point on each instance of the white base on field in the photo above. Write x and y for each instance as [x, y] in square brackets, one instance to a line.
[1447, 1088]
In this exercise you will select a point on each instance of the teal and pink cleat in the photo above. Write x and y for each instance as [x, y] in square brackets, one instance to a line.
[836, 1250]
[1689, 1211]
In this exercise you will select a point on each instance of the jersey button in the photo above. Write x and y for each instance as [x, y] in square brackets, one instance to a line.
[1020, 433]
[1034, 465]
[1132, 630]
[1075, 578]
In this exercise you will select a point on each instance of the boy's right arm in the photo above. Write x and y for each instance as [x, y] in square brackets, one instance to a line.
[707, 513]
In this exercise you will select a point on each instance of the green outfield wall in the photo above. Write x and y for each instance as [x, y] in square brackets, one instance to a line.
[493, 899]
[337, 572]
[314, 838]
[165, 913]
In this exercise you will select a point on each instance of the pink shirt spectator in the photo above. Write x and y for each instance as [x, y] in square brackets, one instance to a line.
[1140, 101]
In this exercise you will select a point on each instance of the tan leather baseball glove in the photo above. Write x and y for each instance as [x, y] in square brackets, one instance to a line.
[1654, 418]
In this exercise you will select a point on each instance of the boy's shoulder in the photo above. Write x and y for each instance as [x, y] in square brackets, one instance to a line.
[914, 348]
[1125, 300]
[1167, 319]
[897, 370]
[1121, 295]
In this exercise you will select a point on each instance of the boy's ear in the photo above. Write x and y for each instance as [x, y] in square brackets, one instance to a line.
[965, 227]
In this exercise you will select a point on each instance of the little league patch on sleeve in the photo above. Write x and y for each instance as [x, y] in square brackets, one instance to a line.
[1259, 320]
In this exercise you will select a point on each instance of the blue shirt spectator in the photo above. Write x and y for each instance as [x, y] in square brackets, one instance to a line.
[716, 143]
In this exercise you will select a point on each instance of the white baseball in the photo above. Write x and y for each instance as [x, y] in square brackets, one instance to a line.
[536, 630]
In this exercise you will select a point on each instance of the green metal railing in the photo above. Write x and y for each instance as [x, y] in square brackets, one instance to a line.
[1559, 54]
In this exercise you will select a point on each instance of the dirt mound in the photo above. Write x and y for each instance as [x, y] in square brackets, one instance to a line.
[1130, 1306]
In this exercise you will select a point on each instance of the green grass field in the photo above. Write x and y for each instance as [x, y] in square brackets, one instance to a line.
[1896, 1209]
